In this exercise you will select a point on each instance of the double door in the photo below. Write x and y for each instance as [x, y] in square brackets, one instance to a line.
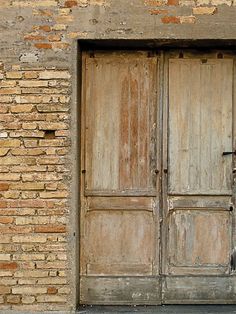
[157, 194]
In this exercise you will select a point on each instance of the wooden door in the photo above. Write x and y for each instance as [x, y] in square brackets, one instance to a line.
[120, 183]
[157, 194]
[198, 233]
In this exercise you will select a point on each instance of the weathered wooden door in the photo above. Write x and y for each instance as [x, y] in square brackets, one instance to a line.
[198, 236]
[119, 195]
[157, 206]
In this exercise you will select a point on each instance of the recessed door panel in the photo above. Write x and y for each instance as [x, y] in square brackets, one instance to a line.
[200, 126]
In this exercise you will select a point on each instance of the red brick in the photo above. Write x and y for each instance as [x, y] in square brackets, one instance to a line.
[156, 12]
[4, 186]
[45, 28]
[52, 290]
[3, 204]
[8, 266]
[70, 3]
[173, 2]
[43, 46]
[6, 220]
[50, 229]
[34, 37]
[171, 20]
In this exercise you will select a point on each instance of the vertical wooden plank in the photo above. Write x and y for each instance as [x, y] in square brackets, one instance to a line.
[124, 149]
[200, 126]
[134, 123]
[143, 128]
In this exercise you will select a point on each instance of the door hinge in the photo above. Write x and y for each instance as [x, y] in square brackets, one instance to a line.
[233, 260]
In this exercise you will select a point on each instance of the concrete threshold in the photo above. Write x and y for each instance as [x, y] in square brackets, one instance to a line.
[166, 309]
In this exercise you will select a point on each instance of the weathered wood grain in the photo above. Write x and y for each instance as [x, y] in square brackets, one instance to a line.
[199, 239]
[131, 290]
[200, 126]
[120, 95]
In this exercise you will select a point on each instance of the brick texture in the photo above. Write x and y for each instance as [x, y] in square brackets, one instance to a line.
[31, 216]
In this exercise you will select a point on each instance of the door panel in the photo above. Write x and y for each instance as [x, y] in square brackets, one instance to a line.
[197, 228]
[121, 242]
[200, 126]
[120, 214]
[194, 246]
[120, 124]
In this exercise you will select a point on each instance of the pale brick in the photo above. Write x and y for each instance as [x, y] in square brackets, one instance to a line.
[29, 238]
[27, 186]
[62, 133]
[51, 265]
[32, 220]
[49, 161]
[47, 75]
[13, 299]
[29, 290]
[32, 99]
[5, 239]
[7, 84]
[3, 134]
[10, 143]
[28, 194]
[221, 2]
[204, 10]
[4, 290]
[10, 176]
[6, 99]
[52, 108]
[27, 257]
[6, 273]
[28, 152]
[58, 194]
[52, 281]
[41, 176]
[29, 125]
[3, 152]
[59, 27]
[34, 133]
[52, 298]
[31, 83]
[27, 281]
[28, 299]
[52, 126]
[31, 143]
[8, 281]
[22, 108]
[64, 290]
[29, 168]
[10, 91]
[53, 142]
[11, 195]
[187, 19]
[18, 160]
[5, 257]
[14, 75]
[31, 274]
[31, 75]
[33, 4]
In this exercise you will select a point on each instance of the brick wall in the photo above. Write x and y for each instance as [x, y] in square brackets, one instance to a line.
[36, 77]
